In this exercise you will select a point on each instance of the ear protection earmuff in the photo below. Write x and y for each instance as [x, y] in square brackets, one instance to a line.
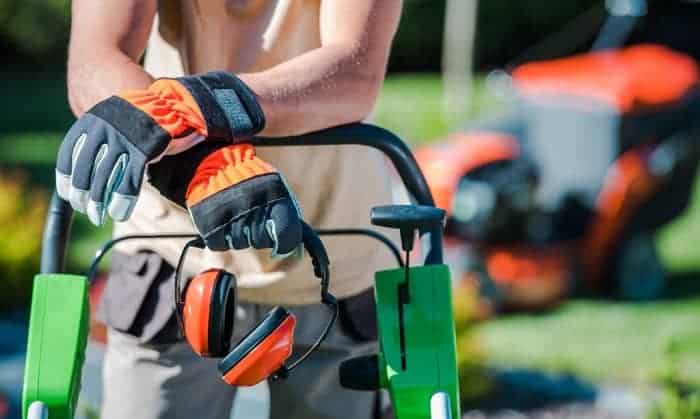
[206, 314]
[262, 352]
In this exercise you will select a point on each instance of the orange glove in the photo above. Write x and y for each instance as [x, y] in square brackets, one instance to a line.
[236, 200]
[104, 155]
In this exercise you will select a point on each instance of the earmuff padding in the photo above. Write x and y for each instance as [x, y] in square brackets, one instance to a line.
[195, 312]
[264, 329]
[230, 306]
[264, 359]
[221, 313]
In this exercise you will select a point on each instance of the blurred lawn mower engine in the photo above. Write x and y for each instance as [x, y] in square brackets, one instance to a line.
[600, 151]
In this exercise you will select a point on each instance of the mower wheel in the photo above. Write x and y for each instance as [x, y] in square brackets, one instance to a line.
[639, 275]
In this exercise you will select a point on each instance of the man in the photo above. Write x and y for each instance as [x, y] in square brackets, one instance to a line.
[291, 66]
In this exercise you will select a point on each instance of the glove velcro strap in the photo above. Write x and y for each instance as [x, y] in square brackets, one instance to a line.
[230, 108]
[216, 212]
[137, 126]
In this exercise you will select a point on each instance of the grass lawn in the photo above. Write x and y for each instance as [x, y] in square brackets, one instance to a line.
[606, 340]
[603, 341]
[412, 106]
[615, 341]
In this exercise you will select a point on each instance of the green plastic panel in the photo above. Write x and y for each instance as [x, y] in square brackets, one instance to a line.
[431, 354]
[58, 326]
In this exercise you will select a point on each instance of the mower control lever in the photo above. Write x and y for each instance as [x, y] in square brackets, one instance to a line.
[408, 219]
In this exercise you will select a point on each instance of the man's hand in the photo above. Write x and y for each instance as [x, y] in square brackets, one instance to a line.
[103, 157]
[235, 199]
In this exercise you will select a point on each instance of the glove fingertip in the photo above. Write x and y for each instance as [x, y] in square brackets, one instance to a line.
[296, 252]
[63, 183]
[78, 199]
[215, 243]
[121, 206]
[95, 212]
[286, 239]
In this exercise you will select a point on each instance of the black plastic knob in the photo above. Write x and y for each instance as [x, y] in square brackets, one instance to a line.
[361, 373]
[408, 219]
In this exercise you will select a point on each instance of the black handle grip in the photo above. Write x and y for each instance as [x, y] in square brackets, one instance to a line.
[408, 219]
[59, 219]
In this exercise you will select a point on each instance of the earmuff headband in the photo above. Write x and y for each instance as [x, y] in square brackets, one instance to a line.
[179, 303]
[319, 258]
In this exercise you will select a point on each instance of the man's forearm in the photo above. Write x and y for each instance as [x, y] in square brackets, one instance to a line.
[325, 87]
[107, 39]
[104, 75]
[337, 83]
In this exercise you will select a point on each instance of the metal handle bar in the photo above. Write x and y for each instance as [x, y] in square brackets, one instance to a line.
[60, 214]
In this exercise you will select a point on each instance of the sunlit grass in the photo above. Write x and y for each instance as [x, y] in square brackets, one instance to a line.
[600, 340]
[412, 106]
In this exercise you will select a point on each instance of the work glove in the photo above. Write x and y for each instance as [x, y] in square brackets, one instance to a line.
[102, 159]
[236, 200]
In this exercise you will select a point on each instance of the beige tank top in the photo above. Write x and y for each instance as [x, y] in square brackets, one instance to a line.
[335, 186]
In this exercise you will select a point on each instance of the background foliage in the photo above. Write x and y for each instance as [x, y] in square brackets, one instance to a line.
[22, 212]
[35, 32]
[505, 28]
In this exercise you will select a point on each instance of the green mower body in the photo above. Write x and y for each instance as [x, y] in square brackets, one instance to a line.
[425, 365]
[58, 329]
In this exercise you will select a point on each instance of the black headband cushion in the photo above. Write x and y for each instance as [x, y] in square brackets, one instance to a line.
[222, 312]
[269, 324]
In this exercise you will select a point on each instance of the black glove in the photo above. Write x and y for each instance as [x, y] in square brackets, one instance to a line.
[235, 199]
[102, 159]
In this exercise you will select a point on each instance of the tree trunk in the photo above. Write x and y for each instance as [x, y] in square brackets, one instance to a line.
[457, 56]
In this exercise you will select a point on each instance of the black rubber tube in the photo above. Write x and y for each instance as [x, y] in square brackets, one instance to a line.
[367, 233]
[60, 214]
[59, 219]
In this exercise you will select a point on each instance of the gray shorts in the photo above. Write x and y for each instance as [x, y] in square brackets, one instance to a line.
[149, 373]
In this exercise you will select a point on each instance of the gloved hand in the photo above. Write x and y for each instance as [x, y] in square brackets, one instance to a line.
[236, 200]
[103, 157]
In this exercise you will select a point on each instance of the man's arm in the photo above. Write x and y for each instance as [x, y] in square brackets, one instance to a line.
[107, 40]
[337, 83]
[332, 85]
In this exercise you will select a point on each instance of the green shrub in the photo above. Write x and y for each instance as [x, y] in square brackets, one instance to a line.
[22, 212]
[37, 30]
[677, 404]
[680, 397]
[505, 28]
[473, 378]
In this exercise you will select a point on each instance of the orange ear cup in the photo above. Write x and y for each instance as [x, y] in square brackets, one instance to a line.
[195, 313]
[265, 358]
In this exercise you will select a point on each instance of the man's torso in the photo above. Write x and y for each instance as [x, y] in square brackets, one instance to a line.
[239, 35]
[335, 186]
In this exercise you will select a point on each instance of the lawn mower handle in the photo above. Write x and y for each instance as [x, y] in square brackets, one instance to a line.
[60, 214]
[54, 243]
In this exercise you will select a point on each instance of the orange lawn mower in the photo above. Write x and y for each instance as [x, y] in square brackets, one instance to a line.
[599, 153]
